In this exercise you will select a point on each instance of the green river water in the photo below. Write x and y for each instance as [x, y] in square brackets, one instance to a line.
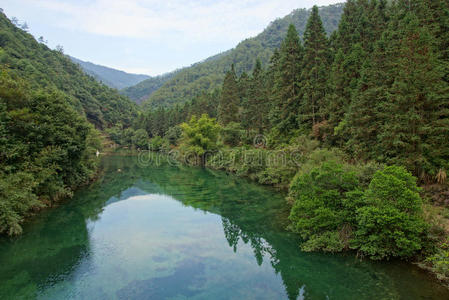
[167, 232]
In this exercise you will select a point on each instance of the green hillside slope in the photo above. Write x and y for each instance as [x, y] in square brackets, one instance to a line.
[42, 67]
[111, 77]
[144, 89]
[209, 74]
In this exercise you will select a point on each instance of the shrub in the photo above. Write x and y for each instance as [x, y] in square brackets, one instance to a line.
[391, 223]
[320, 209]
[158, 143]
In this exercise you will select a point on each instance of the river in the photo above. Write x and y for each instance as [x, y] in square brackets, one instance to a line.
[174, 232]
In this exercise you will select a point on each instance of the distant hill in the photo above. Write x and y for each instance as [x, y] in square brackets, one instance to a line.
[209, 73]
[23, 57]
[145, 88]
[111, 77]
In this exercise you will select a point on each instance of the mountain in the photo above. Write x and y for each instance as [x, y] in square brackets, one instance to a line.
[23, 57]
[145, 88]
[111, 77]
[209, 73]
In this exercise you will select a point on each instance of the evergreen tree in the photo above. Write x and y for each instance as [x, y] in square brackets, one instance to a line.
[361, 25]
[256, 108]
[230, 99]
[415, 131]
[315, 70]
[287, 83]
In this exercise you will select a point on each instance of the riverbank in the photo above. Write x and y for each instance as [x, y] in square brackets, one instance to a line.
[279, 167]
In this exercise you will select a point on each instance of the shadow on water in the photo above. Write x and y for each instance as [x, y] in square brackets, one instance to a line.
[57, 244]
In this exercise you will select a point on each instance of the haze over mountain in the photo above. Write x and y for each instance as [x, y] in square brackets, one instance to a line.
[111, 77]
[209, 74]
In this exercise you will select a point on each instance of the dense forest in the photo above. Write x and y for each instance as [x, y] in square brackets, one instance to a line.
[49, 115]
[207, 75]
[141, 91]
[45, 68]
[367, 109]
[110, 77]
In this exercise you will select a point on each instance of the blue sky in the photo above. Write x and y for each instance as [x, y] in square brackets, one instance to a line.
[148, 36]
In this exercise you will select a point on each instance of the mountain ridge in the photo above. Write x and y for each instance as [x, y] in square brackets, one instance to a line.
[111, 77]
[208, 74]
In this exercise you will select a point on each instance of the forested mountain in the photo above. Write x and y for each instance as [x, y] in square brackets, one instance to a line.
[144, 89]
[209, 74]
[111, 77]
[52, 70]
[47, 145]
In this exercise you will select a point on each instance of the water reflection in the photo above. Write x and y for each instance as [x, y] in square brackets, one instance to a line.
[155, 246]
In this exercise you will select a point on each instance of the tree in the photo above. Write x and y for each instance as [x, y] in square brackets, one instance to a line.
[230, 99]
[315, 70]
[287, 83]
[415, 129]
[361, 25]
[256, 108]
[140, 139]
[199, 136]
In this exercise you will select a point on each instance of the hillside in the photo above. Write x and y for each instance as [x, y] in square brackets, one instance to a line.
[111, 77]
[209, 74]
[143, 89]
[51, 70]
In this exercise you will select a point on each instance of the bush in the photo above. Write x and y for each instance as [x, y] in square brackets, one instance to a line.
[332, 213]
[158, 143]
[391, 223]
[321, 213]
[440, 262]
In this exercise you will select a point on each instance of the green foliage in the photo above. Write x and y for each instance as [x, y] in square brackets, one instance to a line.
[230, 99]
[286, 94]
[331, 213]
[140, 139]
[142, 90]
[46, 150]
[200, 136]
[391, 223]
[173, 135]
[323, 203]
[440, 262]
[51, 69]
[158, 143]
[315, 71]
[231, 134]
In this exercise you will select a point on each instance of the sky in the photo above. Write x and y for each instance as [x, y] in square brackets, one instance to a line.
[148, 36]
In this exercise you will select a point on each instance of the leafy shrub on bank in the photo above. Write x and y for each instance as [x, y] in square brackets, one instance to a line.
[391, 223]
[332, 213]
[323, 205]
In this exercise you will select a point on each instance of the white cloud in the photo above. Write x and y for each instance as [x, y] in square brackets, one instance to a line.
[229, 20]
[149, 36]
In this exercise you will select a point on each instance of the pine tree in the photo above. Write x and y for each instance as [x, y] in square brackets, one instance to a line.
[286, 87]
[361, 25]
[230, 99]
[415, 130]
[362, 120]
[315, 70]
[256, 109]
